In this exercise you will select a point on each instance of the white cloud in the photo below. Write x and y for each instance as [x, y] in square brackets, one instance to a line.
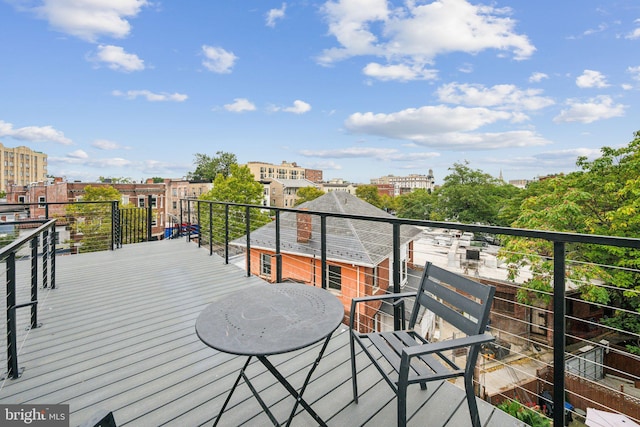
[384, 154]
[79, 154]
[298, 107]
[635, 34]
[402, 72]
[90, 19]
[240, 105]
[34, 133]
[502, 96]
[598, 108]
[537, 77]
[635, 72]
[218, 60]
[416, 33]
[117, 59]
[444, 127]
[274, 15]
[151, 96]
[103, 144]
[591, 78]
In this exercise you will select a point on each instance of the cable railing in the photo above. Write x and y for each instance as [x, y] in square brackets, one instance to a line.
[539, 342]
[29, 262]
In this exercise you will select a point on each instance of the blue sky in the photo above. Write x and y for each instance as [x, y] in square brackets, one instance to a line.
[357, 88]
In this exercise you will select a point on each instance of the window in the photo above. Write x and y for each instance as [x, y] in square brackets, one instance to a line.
[20, 199]
[41, 201]
[141, 202]
[175, 205]
[265, 264]
[335, 277]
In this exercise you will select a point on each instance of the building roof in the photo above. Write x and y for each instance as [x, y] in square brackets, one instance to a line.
[292, 183]
[352, 241]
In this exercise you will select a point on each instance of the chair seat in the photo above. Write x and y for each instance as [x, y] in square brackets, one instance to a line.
[429, 367]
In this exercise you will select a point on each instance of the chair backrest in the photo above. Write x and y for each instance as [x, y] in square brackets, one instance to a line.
[458, 300]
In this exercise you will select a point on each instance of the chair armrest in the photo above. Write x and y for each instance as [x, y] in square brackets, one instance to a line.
[420, 350]
[356, 301]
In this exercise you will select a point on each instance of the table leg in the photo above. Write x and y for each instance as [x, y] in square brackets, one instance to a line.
[298, 395]
[240, 375]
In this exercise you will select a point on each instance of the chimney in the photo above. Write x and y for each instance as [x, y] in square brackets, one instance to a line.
[303, 227]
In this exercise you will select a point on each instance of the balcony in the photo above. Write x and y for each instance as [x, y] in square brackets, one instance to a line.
[117, 333]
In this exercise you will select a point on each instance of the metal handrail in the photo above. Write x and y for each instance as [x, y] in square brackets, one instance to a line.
[8, 255]
[559, 240]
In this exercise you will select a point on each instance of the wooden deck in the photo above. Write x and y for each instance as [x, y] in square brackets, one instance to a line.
[118, 335]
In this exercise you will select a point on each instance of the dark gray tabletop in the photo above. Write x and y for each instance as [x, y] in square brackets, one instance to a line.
[270, 319]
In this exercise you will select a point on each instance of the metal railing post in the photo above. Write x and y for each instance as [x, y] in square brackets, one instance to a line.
[559, 330]
[199, 223]
[12, 351]
[226, 234]
[52, 255]
[149, 217]
[210, 228]
[34, 277]
[278, 254]
[323, 251]
[397, 310]
[248, 232]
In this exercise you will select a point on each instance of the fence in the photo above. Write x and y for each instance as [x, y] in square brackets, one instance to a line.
[318, 247]
[23, 278]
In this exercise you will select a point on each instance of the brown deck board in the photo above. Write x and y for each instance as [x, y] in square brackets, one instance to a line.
[118, 335]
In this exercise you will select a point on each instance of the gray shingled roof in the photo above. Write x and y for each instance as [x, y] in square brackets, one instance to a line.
[359, 242]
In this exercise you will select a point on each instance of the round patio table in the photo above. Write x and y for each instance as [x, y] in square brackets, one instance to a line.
[269, 319]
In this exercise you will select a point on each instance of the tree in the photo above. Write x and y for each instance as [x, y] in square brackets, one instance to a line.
[157, 179]
[208, 168]
[237, 187]
[91, 222]
[115, 180]
[416, 205]
[370, 194]
[306, 194]
[601, 198]
[472, 196]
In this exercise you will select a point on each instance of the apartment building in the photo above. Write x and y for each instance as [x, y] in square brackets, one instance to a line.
[21, 166]
[407, 184]
[285, 170]
[176, 189]
[283, 193]
[338, 184]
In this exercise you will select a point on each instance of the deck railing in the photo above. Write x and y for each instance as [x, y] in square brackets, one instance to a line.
[37, 247]
[229, 229]
[89, 226]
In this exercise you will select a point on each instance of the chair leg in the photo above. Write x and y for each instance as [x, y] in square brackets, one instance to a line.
[354, 380]
[402, 404]
[471, 400]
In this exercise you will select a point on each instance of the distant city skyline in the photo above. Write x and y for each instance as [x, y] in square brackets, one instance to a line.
[356, 88]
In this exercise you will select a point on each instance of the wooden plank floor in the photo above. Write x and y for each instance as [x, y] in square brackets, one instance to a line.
[118, 335]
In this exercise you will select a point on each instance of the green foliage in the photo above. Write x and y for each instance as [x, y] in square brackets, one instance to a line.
[238, 187]
[370, 194]
[3, 194]
[418, 204]
[306, 194]
[208, 168]
[91, 222]
[115, 180]
[601, 198]
[472, 196]
[157, 179]
[527, 415]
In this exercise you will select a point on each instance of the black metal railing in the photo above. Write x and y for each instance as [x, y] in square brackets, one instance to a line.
[224, 225]
[89, 226]
[41, 251]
